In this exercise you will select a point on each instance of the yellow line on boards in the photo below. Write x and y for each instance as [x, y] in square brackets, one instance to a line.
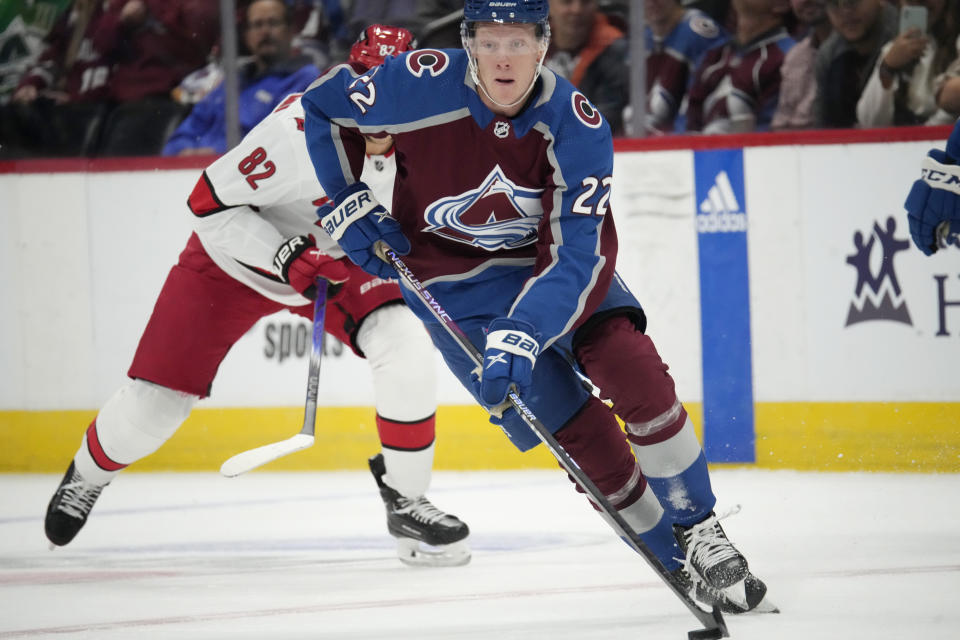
[920, 437]
[861, 436]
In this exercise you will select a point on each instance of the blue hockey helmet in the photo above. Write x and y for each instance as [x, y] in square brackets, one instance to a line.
[534, 11]
[506, 11]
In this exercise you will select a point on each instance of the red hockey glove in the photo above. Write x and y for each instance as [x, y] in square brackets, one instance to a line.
[299, 262]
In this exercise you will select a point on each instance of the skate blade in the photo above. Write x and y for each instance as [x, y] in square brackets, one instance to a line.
[418, 554]
[736, 595]
[765, 606]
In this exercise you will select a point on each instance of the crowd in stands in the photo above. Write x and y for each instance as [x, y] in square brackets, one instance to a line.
[143, 77]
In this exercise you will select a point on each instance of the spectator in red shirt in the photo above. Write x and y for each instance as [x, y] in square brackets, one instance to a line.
[74, 66]
[155, 43]
[99, 54]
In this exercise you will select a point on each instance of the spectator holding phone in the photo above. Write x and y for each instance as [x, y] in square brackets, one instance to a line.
[902, 87]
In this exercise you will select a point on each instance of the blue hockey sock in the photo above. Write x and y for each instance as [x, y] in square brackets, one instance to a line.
[687, 497]
[676, 472]
[661, 541]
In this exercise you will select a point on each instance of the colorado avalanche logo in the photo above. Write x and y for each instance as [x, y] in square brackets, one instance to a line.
[498, 214]
[585, 112]
[430, 60]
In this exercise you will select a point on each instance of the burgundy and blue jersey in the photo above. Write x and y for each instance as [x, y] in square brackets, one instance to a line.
[505, 216]
[671, 62]
[737, 87]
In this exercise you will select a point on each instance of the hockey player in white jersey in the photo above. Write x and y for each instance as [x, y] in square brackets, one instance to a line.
[257, 249]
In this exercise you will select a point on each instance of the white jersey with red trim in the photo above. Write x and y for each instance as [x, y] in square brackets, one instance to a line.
[265, 191]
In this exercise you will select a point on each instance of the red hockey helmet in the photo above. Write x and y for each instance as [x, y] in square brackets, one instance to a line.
[380, 41]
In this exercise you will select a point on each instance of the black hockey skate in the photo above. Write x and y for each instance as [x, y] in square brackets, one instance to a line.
[742, 597]
[717, 572]
[426, 536]
[69, 507]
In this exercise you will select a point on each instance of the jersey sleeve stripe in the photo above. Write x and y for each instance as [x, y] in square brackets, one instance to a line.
[270, 275]
[203, 200]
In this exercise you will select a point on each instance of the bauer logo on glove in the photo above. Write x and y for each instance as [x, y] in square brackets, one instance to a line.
[357, 206]
[513, 342]
[287, 252]
[298, 262]
[509, 357]
[358, 223]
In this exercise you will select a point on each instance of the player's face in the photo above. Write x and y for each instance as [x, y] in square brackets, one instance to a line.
[507, 57]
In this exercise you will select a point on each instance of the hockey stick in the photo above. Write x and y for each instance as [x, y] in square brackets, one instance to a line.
[248, 460]
[712, 621]
[943, 234]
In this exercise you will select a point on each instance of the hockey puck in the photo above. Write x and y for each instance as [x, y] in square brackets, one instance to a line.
[706, 634]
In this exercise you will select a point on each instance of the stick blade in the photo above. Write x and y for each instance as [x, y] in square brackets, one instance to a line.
[714, 631]
[249, 460]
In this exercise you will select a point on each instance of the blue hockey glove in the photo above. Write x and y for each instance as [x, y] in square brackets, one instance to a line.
[508, 359]
[933, 204]
[357, 223]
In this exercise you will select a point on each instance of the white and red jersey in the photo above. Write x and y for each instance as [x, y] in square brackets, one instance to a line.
[264, 191]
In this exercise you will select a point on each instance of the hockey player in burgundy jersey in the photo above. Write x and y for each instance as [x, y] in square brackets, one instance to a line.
[501, 208]
[256, 250]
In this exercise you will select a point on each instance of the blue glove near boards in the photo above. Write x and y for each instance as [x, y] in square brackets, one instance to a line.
[933, 205]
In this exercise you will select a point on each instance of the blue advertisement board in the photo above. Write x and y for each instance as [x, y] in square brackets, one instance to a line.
[728, 421]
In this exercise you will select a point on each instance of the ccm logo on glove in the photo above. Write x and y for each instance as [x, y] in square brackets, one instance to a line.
[940, 176]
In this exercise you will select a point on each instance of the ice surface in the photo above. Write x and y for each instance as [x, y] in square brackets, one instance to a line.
[271, 555]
